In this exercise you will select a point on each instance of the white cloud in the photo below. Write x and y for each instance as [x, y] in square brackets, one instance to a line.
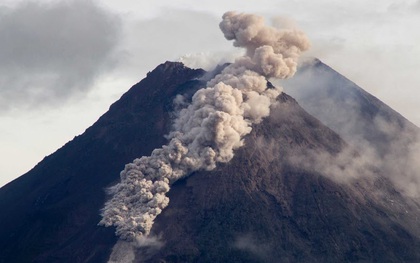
[169, 36]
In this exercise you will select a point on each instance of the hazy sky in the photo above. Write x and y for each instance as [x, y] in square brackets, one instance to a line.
[62, 63]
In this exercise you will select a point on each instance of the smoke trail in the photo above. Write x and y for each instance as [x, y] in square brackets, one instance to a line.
[209, 129]
[126, 252]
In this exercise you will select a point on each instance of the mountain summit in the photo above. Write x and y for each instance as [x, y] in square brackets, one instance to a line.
[266, 205]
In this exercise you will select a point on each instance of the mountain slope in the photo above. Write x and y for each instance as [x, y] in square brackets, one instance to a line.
[263, 206]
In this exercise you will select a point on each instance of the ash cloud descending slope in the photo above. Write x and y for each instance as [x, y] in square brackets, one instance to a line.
[209, 129]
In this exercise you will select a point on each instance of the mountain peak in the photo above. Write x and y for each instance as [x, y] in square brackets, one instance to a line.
[170, 65]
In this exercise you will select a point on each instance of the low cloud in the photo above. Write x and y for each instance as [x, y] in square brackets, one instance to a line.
[154, 40]
[122, 252]
[259, 249]
[142, 248]
[344, 167]
[51, 52]
[208, 60]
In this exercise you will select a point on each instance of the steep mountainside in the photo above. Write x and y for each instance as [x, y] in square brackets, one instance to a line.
[263, 206]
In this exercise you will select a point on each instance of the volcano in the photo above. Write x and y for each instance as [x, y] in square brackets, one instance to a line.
[265, 205]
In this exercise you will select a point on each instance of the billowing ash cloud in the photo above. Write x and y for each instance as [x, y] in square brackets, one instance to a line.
[211, 127]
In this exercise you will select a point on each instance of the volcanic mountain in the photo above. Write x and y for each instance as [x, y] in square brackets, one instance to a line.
[271, 203]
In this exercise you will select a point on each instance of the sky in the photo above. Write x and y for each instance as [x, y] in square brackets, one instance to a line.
[64, 62]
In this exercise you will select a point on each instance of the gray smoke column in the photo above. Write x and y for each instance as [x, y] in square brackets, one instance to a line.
[211, 127]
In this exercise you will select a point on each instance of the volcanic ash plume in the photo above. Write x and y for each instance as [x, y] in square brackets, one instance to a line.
[211, 127]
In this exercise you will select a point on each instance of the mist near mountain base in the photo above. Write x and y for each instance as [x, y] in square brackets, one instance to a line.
[256, 247]
[142, 248]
